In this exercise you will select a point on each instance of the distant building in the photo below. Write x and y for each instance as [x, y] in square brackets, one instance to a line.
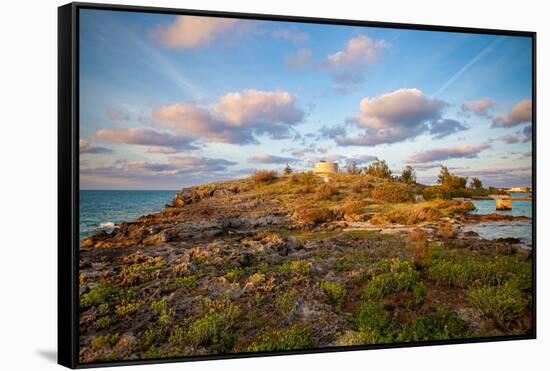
[323, 167]
[520, 189]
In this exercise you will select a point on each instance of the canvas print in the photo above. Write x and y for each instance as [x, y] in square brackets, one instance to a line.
[267, 186]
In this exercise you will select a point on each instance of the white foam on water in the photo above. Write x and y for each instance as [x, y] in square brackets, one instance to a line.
[107, 225]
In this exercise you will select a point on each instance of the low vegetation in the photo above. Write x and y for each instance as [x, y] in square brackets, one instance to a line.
[284, 262]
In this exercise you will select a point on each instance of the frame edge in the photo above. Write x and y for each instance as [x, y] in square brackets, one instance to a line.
[67, 340]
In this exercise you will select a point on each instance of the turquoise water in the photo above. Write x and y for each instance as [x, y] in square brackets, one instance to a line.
[518, 207]
[104, 209]
[517, 229]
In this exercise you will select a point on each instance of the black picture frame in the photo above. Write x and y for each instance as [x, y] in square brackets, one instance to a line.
[68, 178]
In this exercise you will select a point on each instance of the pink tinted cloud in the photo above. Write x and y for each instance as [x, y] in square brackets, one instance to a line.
[521, 113]
[446, 153]
[192, 31]
[235, 117]
[145, 137]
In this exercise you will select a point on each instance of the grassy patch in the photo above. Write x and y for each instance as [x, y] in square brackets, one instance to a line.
[402, 277]
[213, 328]
[441, 325]
[334, 292]
[464, 271]
[295, 267]
[293, 337]
[504, 304]
[187, 282]
[102, 341]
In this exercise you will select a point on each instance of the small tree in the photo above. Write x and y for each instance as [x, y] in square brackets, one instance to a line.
[476, 184]
[379, 168]
[287, 170]
[352, 168]
[408, 175]
[450, 181]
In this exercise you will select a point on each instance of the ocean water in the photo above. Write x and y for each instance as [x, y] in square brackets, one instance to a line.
[517, 229]
[104, 209]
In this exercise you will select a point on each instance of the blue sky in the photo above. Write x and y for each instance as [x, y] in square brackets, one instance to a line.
[169, 101]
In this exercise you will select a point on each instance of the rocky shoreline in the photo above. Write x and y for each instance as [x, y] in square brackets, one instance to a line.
[237, 266]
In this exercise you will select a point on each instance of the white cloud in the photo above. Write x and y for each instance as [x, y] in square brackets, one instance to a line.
[397, 116]
[270, 159]
[193, 31]
[348, 65]
[145, 137]
[480, 107]
[441, 154]
[360, 50]
[235, 118]
[85, 146]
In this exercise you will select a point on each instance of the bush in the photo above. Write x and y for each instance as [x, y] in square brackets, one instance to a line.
[358, 186]
[263, 176]
[102, 341]
[419, 214]
[378, 168]
[326, 192]
[504, 303]
[313, 215]
[374, 324]
[379, 219]
[418, 295]
[391, 192]
[125, 309]
[305, 178]
[293, 337]
[295, 267]
[439, 326]
[435, 192]
[420, 253]
[353, 210]
[334, 292]
[402, 277]
[97, 295]
[164, 313]
[213, 328]
[481, 271]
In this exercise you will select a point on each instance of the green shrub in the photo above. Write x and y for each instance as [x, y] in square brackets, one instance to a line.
[391, 192]
[213, 328]
[418, 295]
[334, 292]
[97, 295]
[160, 308]
[504, 303]
[188, 282]
[234, 274]
[442, 325]
[374, 324]
[480, 271]
[104, 322]
[402, 277]
[293, 337]
[295, 267]
[125, 309]
[344, 264]
[285, 301]
[107, 340]
[435, 192]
